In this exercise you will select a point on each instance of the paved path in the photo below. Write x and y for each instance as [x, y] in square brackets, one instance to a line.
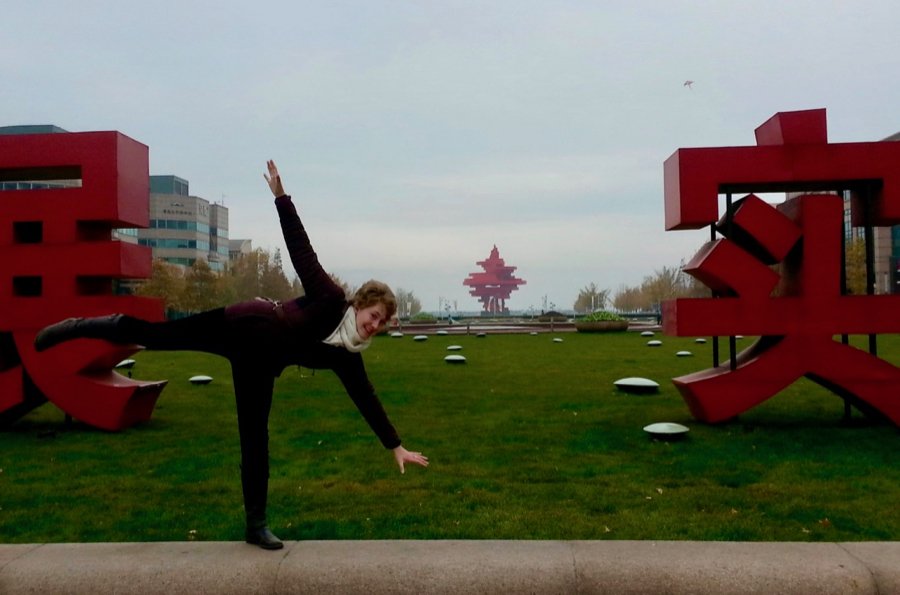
[375, 567]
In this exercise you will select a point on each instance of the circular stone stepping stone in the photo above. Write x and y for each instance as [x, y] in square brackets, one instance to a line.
[454, 347]
[557, 340]
[200, 379]
[654, 343]
[420, 338]
[455, 359]
[633, 384]
[666, 430]
[441, 333]
[397, 335]
[533, 333]
[699, 340]
[684, 354]
[647, 334]
[126, 363]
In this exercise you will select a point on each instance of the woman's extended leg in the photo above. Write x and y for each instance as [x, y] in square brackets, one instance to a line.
[253, 395]
[201, 332]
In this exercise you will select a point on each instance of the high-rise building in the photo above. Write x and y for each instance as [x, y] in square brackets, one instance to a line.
[184, 228]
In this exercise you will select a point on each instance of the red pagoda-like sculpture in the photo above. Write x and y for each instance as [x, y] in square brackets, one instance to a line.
[493, 286]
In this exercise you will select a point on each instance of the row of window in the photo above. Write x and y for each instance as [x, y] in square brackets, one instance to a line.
[179, 224]
[39, 185]
[174, 243]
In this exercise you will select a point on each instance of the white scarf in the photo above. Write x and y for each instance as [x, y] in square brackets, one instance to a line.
[346, 335]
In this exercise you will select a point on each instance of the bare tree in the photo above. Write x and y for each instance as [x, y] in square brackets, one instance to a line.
[629, 299]
[591, 298]
[407, 303]
[664, 284]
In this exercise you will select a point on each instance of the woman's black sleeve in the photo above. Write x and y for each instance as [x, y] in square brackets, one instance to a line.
[352, 374]
[316, 282]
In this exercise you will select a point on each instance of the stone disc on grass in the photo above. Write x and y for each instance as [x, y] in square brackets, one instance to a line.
[636, 385]
[667, 430]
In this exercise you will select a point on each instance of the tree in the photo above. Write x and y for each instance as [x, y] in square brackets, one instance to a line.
[407, 303]
[244, 276]
[629, 299]
[272, 282]
[855, 266]
[260, 274]
[296, 287]
[201, 287]
[591, 298]
[166, 282]
[664, 284]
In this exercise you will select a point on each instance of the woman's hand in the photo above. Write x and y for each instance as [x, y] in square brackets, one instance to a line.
[274, 179]
[401, 455]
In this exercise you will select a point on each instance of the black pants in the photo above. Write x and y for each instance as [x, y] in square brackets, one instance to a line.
[243, 342]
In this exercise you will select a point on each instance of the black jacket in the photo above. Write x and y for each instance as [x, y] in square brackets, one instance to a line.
[294, 331]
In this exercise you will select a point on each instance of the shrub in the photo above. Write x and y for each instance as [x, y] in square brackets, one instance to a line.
[602, 315]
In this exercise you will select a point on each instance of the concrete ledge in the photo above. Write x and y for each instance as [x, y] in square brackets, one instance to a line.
[375, 567]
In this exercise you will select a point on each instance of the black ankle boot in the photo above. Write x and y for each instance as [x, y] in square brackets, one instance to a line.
[263, 538]
[101, 327]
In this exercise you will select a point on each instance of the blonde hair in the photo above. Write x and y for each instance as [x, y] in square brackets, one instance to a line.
[375, 292]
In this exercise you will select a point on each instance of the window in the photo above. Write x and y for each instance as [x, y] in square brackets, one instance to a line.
[28, 232]
[27, 286]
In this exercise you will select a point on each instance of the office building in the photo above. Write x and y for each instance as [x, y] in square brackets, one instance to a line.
[184, 228]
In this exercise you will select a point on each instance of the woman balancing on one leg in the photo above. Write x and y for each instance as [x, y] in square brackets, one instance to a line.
[320, 330]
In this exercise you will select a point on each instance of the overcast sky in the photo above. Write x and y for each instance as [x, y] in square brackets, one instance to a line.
[415, 135]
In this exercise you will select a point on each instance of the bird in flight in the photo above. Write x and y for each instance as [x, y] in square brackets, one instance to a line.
[688, 84]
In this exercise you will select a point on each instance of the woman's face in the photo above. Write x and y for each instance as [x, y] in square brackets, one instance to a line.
[370, 320]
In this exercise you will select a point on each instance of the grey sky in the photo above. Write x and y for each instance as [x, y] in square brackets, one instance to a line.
[415, 135]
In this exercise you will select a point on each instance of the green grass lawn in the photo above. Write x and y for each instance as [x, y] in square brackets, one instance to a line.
[528, 440]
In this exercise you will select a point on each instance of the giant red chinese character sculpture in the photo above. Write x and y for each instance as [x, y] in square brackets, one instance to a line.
[494, 286]
[58, 259]
[797, 311]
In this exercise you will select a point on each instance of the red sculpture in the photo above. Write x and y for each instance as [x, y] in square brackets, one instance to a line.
[59, 260]
[799, 310]
[494, 286]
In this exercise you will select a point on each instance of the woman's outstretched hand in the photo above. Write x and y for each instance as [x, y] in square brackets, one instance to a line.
[402, 456]
[274, 180]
